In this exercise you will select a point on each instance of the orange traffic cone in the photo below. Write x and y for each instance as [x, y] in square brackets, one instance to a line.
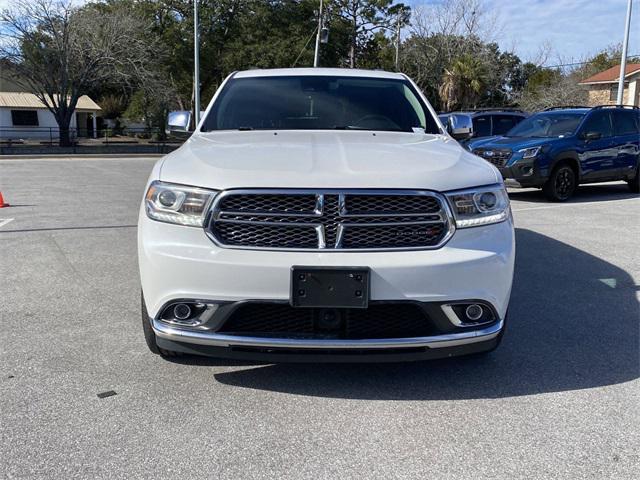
[2, 204]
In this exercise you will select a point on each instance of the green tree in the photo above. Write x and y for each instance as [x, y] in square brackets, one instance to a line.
[463, 83]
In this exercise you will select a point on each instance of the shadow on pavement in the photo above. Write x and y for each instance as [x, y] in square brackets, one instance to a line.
[603, 192]
[573, 324]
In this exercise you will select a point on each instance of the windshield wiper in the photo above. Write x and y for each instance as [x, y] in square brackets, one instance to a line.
[244, 129]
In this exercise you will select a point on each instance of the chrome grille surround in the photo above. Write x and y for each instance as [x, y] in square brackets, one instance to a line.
[321, 220]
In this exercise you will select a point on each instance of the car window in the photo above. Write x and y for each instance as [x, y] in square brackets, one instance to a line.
[599, 122]
[625, 122]
[503, 123]
[319, 102]
[482, 126]
[547, 125]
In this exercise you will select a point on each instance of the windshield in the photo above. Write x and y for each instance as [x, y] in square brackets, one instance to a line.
[547, 125]
[319, 102]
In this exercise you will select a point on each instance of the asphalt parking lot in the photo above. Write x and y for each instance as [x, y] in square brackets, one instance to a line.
[559, 399]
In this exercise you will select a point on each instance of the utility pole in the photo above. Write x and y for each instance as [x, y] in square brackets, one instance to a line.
[398, 44]
[196, 65]
[625, 48]
[316, 56]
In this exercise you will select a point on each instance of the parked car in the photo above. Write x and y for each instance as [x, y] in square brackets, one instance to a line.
[562, 147]
[324, 214]
[488, 122]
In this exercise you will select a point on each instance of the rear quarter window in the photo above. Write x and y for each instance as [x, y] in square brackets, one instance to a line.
[625, 122]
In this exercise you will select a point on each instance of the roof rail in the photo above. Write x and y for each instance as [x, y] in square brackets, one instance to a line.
[635, 107]
[478, 110]
[564, 107]
[496, 109]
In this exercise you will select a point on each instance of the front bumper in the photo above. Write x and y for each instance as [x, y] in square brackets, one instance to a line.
[524, 173]
[336, 351]
[179, 262]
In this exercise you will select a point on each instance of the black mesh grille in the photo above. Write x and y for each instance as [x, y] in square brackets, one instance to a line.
[269, 318]
[388, 320]
[400, 236]
[385, 204]
[499, 158]
[265, 236]
[321, 220]
[270, 203]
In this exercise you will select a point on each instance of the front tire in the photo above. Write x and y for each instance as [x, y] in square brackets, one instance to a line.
[149, 334]
[562, 184]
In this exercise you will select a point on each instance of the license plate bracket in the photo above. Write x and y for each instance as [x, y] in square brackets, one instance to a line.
[330, 287]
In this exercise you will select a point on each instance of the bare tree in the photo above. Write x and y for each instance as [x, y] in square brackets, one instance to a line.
[60, 52]
[559, 89]
[456, 18]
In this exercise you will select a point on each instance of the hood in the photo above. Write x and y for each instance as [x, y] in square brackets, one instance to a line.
[512, 143]
[325, 159]
[477, 140]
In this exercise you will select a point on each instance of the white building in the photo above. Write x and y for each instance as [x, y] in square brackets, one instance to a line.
[24, 116]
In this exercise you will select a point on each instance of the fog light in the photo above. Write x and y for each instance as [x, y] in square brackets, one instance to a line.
[474, 312]
[527, 171]
[182, 311]
[470, 315]
[188, 313]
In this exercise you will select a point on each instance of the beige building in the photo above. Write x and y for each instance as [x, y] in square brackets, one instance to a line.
[603, 86]
[23, 115]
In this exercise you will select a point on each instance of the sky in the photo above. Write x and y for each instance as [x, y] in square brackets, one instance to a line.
[574, 29]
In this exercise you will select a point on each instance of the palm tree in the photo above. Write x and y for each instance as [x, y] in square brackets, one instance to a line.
[462, 83]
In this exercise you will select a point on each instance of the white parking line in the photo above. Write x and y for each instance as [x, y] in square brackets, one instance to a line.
[4, 221]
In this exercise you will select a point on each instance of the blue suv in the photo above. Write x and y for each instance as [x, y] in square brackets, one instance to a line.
[562, 147]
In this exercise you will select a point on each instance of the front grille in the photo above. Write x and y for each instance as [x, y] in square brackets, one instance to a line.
[388, 320]
[310, 220]
[498, 157]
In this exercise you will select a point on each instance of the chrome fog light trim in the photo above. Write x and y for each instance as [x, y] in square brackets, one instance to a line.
[187, 313]
[473, 311]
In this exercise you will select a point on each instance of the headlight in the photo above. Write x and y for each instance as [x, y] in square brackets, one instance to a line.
[178, 204]
[530, 152]
[479, 206]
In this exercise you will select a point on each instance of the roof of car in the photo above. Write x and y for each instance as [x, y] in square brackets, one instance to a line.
[492, 111]
[337, 72]
[567, 110]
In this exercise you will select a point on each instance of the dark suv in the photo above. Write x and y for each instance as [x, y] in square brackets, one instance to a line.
[562, 147]
[488, 122]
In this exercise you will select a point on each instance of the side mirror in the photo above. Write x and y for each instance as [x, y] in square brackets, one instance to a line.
[178, 121]
[460, 127]
[588, 136]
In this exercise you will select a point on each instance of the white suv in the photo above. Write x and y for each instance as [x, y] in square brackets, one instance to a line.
[324, 214]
